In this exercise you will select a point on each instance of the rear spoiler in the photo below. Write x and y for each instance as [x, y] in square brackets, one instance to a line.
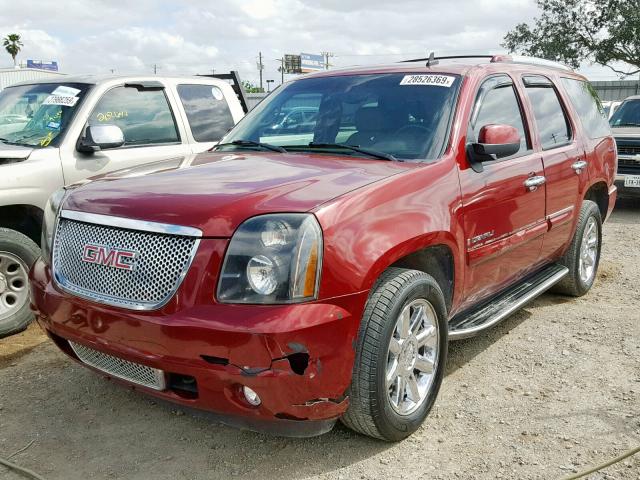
[233, 78]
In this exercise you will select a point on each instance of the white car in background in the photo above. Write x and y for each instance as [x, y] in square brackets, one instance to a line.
[54, 133]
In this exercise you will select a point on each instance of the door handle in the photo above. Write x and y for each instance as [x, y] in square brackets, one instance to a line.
[579, 166]
[532, 183]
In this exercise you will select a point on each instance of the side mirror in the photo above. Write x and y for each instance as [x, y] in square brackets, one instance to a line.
[101, 137]
[494, 142]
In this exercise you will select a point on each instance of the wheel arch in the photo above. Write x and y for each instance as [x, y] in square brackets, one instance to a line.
[435, 254]
[598, 192]
[23, 218]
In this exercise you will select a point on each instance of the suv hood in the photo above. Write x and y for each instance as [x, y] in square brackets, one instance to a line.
[215, 192]
[13, 153]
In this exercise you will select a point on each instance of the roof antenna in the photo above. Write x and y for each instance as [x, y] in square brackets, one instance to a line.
[432, 60]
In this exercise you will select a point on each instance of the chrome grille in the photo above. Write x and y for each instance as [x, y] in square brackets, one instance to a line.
[628, 149]
[629, 162]
[160, 264]
[120, 368]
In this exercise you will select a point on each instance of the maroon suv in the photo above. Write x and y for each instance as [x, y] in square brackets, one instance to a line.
[315, 269]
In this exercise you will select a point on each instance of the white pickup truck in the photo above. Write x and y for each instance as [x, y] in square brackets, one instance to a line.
[53, 133]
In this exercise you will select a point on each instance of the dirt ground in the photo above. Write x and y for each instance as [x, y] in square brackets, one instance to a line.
[550, 391]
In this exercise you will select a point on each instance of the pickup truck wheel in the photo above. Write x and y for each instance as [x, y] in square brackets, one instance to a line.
[17, 254]
[400, 356]
[583, 256]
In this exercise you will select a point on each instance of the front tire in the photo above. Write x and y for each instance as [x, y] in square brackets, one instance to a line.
[17, 255]
[583, 257]
[400, 356]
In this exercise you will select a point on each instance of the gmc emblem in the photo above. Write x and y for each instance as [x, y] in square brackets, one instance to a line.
[109, 257]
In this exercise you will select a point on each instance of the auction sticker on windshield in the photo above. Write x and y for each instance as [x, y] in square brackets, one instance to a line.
[63, 100]
[437, 80]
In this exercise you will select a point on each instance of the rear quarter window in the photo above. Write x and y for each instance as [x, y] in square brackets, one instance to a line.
[587, 105]
[207, 111]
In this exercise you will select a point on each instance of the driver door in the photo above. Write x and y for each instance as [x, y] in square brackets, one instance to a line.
[145, 116]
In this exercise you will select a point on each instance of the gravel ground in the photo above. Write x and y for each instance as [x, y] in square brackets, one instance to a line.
[551, 391]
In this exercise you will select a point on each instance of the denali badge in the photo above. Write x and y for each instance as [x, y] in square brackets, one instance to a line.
[109, 257]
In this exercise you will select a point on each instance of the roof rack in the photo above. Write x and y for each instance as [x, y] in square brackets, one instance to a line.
[501, 58]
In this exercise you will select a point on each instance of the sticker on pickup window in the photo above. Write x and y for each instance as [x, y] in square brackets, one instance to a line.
[436, 80]
[65, 91]
[61, 100]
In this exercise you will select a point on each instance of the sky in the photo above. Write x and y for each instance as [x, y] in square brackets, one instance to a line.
[191, 37]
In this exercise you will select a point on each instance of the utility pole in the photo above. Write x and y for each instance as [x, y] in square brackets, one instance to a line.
[326, 56]
[213, 71]
[281, 69]
[155, 68]
[260, 68]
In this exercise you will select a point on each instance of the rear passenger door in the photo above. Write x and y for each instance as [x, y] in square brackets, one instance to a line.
[504, 220]
[208, 114]
[563, 158]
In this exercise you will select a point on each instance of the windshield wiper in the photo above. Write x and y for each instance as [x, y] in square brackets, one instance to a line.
[355, 148]
[626, 125]
[251, 143]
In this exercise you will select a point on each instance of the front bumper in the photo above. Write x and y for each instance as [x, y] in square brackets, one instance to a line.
[298, 358]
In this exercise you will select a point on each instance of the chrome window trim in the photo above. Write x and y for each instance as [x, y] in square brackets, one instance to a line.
[132, 224]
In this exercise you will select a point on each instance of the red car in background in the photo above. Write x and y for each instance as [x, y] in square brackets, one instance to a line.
[293, 277]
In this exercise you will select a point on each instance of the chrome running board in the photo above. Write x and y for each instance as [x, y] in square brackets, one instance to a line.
[477, 319]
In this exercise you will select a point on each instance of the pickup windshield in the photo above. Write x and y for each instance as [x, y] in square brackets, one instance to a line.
[387, 116]
[627, 115]
[36, 115]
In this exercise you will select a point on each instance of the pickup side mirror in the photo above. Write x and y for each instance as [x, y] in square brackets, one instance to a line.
[494, 142]
[101, 137]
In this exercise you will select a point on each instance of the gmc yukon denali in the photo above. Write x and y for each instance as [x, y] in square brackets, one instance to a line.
[301, 274]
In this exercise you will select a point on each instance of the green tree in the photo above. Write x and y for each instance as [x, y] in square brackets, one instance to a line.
[12, 45]
[251, 88]
[572, 31]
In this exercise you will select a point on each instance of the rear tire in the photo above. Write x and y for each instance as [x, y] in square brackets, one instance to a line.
[17, 255]
[400, 356]
[583, 257]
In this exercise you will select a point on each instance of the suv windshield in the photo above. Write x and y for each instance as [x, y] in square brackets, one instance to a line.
[36, 115]
[401, 116]
[627, 115]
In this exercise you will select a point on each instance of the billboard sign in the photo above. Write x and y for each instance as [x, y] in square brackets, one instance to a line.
[52, 66]
[310, 62]
[292, 63]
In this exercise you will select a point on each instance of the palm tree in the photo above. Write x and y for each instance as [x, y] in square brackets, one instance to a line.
[13, 45]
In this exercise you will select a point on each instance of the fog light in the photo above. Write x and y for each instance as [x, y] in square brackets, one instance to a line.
[252, 397]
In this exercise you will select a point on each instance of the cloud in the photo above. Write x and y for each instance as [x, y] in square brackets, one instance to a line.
[95, 36]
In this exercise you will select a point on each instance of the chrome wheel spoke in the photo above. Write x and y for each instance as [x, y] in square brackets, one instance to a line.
[424, 365]
[414, 392]
[427, 336]
[405, 323]
[416, 319]
[394, 347]
[392, 372]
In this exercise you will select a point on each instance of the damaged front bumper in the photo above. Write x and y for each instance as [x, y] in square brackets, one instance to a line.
[297, 358]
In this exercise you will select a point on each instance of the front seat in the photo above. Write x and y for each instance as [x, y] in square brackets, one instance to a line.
[370, 125]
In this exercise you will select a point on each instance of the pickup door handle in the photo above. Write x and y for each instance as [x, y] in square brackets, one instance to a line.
[579, 166]
[532, 183]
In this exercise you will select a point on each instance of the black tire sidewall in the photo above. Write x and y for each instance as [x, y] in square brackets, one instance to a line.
[24, 248]
[391, 424]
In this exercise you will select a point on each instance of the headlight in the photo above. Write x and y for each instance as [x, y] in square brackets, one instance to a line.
[49, 218]
[273, 259]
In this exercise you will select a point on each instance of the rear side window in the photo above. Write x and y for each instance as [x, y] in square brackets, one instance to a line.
[497, 104]
[143, 115]
[552, 123]
[587, 105]
[207, 111]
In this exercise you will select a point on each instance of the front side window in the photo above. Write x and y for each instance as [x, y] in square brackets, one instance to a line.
[38, 115]
[585, 101]
[552, 123]
[497, 103]
[207, 111]
[627, 114]
[143, 115]
[403, 115]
